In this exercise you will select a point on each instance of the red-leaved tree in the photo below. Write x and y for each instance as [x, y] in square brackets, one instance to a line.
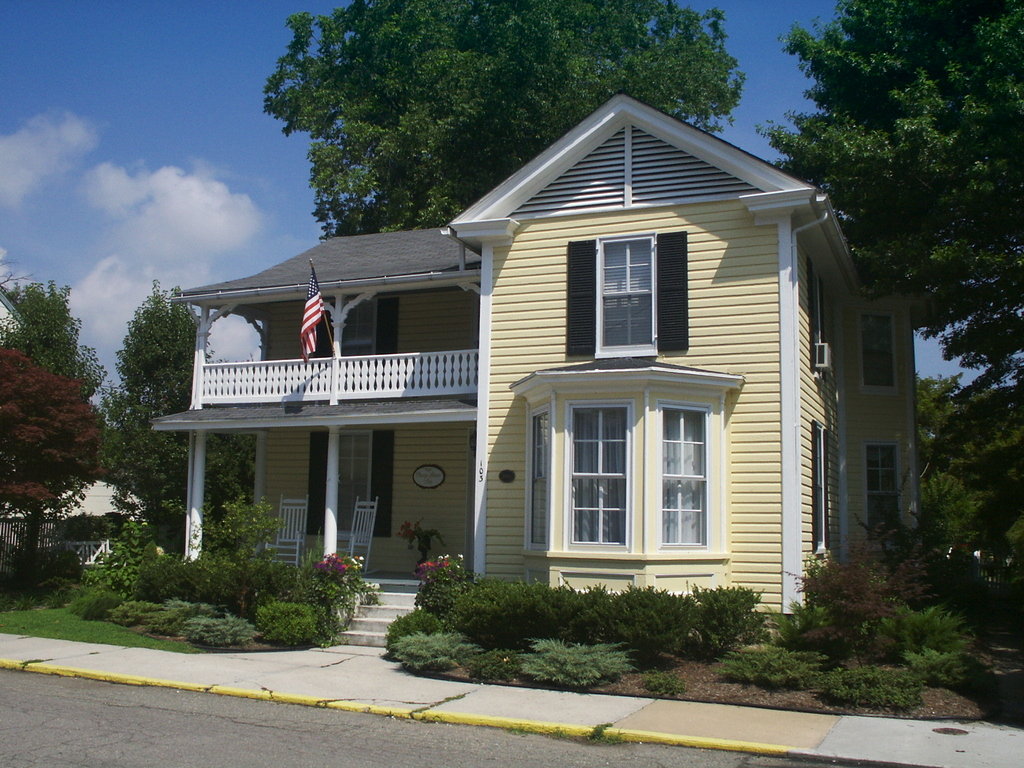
[49, 441]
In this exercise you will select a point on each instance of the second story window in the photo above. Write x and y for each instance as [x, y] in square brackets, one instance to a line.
[881, 467]
[627, 295]
[360, 330]
[878, 367]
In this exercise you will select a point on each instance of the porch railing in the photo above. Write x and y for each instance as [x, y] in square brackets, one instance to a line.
[414, 374]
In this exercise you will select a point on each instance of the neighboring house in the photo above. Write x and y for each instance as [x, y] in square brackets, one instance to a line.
[7, 309]
[642, 359]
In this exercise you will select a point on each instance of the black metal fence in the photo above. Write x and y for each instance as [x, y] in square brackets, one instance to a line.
[13, 532]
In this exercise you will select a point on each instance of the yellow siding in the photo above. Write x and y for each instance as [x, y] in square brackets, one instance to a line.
[733, 289]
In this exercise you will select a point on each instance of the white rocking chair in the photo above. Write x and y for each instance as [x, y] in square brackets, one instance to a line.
[360, 538]
[291, 538]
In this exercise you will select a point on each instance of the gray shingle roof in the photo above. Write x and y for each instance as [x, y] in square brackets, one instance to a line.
[360, 257]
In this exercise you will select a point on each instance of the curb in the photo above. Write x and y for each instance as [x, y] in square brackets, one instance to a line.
[422, 715]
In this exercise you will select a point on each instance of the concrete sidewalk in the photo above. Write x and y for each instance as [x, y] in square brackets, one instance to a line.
[358, 679]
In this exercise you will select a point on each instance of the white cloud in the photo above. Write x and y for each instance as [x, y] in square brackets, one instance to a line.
[170, 214]
[45, 146]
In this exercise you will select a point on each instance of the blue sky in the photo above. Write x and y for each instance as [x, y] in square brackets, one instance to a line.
[134, 148]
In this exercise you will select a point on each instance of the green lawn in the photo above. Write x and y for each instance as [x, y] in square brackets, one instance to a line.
[61, 624]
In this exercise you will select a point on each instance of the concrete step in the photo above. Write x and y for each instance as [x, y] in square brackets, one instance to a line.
[360, 624]
[382, 611]
[404, 599]
[370, 639]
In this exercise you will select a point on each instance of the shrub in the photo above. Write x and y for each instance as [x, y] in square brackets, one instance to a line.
[805, 629]
[662, 683]
[173, 614]
[575, 666]
[944, 669]
[496, 665]
[421, 652]
[875, 687]
[931, 629]
[286, 623]
[773, 667]
[118, 570]
[334, 587]
[166, 577]
[646, 622]
[501, 614]
[94, 604]
[219, 632]
[725, 618]
[134, 613]
[441, 583]
[415, 621]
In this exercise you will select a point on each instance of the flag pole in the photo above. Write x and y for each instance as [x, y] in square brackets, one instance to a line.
[330, 331]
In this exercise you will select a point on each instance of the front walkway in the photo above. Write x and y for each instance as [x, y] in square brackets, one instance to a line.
[360, 679]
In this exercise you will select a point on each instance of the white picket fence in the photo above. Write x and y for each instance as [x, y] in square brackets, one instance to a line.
[415, 374]
[88, 551]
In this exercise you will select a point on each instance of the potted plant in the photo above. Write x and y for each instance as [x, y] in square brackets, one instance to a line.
[419, 537]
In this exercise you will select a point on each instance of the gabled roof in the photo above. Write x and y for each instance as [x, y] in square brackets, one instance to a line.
[339, 260]
[627, 154]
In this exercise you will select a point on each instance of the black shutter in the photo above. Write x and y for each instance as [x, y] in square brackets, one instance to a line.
[386, 342]
[382, 476]
[826, 443]
[673, 302]
[581, 299]
[317, 483]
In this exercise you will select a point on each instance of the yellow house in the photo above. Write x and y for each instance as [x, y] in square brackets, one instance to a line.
[642, 359]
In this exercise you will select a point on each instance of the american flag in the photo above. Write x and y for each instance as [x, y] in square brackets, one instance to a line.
[311, 316]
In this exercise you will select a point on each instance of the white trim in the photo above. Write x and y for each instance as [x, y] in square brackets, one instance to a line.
[532, 414]
[897, 472]
[194, 523]
[331, 494]
[567, 534]
[363, 419]
[596, 381]
[483, 400]
[710, 472]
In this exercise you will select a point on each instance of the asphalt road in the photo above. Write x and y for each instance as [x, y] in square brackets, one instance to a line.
[47, 721]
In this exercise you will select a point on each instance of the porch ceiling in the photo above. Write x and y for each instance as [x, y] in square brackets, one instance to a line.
[243, 418]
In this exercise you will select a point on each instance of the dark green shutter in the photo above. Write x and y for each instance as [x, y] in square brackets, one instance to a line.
[317, 484]
[382, 476]
[673, 296]
[581, 299]
[386, 342]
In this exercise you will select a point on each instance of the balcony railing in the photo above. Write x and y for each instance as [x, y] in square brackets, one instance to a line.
[415, 374]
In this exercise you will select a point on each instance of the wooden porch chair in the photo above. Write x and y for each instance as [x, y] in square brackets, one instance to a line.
[292, 536]
[360, 538]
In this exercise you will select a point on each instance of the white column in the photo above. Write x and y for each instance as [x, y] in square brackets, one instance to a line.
[479, 543]
[331, 495]
[199, 357]
[259, 484]
[789, 394]
[194, 528]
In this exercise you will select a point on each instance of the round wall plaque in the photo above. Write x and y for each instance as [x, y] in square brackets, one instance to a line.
[428, 476]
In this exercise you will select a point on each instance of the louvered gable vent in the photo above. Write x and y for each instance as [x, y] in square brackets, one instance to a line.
[643, 170]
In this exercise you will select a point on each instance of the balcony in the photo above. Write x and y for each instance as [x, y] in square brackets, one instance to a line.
[418, 374]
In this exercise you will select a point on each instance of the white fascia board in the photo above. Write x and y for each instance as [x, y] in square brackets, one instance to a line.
[617, 112]
[627, 378]
[477, 234]
[237, 425]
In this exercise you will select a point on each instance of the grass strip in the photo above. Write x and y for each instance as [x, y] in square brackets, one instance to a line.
[61, 624]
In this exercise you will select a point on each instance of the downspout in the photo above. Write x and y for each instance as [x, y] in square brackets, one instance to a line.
[790, 405]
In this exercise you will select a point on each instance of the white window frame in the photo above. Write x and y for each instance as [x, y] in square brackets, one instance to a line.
[709, 474]
[570, 449]
[344, 438]
[877, 388]
[626, 350]
[868, 492]
[531, 468]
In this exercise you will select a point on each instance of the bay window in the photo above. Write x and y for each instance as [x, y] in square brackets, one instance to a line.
[684, 477]
[599, 474]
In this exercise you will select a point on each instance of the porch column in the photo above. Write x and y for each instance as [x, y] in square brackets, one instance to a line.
[259, 481]
[331, 494]
[197, 473]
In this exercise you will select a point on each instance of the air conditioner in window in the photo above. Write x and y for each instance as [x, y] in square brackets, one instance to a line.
[822, 356]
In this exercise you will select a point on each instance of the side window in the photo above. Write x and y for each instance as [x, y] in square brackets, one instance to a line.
[600, 475]
[819, 487]
[540, 455]
[360, 330]
[881, 483]
[878, 367]
[815, 311]
[684, 477]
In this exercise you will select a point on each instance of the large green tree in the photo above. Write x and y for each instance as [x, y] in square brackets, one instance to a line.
[916, 136]
[149, 469]
[47, 332]
[418, 107]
